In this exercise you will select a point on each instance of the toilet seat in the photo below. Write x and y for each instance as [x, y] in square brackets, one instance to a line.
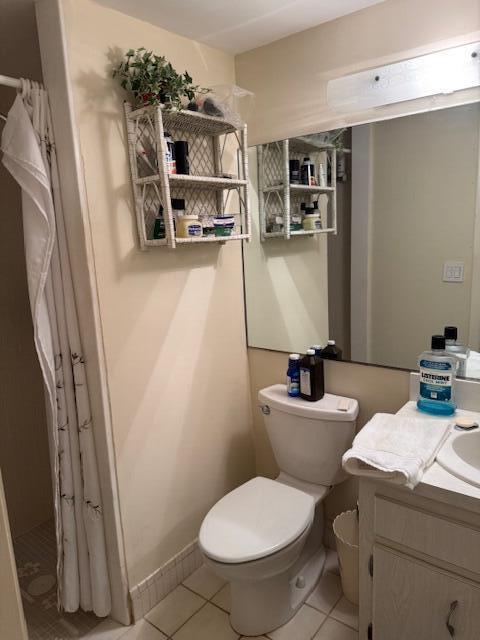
[255, 520]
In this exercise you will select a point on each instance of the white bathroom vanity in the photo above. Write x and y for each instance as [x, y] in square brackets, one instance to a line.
[420, 549]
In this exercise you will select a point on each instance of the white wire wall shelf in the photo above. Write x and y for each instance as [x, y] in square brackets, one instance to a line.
[207, 190]
[280, 200]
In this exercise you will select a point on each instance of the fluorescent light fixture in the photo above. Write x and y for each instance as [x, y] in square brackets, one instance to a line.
[432, 74]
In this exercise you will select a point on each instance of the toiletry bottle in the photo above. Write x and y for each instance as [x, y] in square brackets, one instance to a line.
[322, 175]
[311, 377]
[170, 153]
[294, 168]
[181, 157]
[293, 375]
[317, 348]
[437, 379]
[457, 349]
[178, 207]
[331, 351]
[318, 223]
[159, 225]
[308, 173]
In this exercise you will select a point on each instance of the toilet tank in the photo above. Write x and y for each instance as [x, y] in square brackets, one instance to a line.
[309, 438]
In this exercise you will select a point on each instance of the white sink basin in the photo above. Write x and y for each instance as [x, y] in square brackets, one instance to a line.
[460, 455]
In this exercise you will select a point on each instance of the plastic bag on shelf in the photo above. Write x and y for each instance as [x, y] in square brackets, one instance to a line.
[227, 101]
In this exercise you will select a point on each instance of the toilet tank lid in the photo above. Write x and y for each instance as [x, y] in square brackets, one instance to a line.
[330, 407]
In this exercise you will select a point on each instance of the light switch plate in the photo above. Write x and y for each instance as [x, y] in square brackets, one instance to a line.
[453, 271]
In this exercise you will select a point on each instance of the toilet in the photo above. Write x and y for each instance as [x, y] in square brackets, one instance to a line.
[266, 537]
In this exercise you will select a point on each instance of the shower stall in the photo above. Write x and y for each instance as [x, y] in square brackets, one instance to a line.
[33, 539]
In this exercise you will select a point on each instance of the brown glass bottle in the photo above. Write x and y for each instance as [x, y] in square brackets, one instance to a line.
[311, 377]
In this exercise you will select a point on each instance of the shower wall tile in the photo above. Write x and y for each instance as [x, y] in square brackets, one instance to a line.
[148, 593]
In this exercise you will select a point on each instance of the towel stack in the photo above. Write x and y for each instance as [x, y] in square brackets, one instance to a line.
[396, 448]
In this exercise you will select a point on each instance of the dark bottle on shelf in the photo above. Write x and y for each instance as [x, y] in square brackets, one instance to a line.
[331, 351]
[308, 172]
[294, 166]
[181, 157]
[159, 225]
[311, 377]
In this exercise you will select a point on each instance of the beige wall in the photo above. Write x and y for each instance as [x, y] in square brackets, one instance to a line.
[172, 321]
[24, 457]
[286, 285]
[289, 77]
[375, 388]
[424, 186]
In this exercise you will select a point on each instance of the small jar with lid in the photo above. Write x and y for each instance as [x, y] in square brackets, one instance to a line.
[311, 220]
[189, 226]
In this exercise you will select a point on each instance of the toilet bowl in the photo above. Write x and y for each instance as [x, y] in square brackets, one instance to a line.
[266, 536]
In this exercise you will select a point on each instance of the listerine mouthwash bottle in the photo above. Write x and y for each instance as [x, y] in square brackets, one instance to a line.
[437, 379]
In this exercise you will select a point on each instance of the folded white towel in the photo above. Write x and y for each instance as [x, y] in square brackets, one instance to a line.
[396, 448]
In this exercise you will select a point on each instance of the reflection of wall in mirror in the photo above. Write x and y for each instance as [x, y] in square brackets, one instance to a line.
[422, 213]
[286, 285]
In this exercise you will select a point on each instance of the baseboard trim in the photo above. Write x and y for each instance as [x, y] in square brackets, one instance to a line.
[148, 593]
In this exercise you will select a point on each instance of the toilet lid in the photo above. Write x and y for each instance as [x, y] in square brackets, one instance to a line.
[259, 518]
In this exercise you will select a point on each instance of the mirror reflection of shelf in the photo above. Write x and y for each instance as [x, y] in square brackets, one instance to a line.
[301, 188]
[280, 199]
[207, 191]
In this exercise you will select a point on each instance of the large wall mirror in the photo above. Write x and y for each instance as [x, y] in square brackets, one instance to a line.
[369, 236]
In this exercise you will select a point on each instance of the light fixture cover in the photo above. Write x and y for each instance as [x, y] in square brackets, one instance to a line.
[432, 74]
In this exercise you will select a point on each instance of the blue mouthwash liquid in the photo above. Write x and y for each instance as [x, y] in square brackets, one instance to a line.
[293, 375]
[437, 379]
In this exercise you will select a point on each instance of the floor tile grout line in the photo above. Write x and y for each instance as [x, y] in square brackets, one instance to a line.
[200, 595]
[152, 625]
[188, 619]
[182, 584]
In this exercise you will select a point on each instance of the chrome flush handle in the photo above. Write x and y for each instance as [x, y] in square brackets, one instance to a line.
[450, 627]
[265, 409]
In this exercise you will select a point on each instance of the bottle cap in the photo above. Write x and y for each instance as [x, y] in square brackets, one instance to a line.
[294, 356]
[450, 333]
[315, 204]
[307, 158]
[438, 342]
[178, 203]
[331, 342]
[303, 206]
[310, 352]
[316, 346]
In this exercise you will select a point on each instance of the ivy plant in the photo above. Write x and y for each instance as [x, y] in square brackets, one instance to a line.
[153, 80]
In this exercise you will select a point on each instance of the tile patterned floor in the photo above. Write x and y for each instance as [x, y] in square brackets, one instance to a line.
[198, 610]
[36, 558]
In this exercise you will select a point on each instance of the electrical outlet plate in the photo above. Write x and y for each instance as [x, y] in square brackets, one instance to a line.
[453, 271]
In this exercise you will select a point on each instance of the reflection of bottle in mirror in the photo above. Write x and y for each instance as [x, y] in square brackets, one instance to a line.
[311, 377]
[294, 167]
[331, 351]
[437, 379]
[308, 173]
[293, 375]
[322, 175]
[457, 349]
[317, 348]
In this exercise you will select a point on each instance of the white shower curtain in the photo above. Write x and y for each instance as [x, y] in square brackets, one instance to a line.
[29, 155]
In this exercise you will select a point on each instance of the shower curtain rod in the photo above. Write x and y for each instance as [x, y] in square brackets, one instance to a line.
[10, 82]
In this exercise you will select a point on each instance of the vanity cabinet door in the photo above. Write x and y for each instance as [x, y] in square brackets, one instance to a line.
[413, 600]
